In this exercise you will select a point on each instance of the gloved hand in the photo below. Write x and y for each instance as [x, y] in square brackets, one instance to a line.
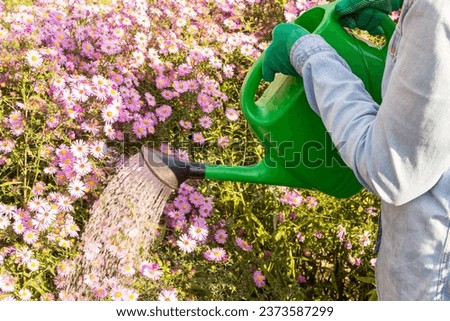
[276, 56]
[366, 14]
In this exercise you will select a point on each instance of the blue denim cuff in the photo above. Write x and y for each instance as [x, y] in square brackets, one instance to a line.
[304, 48]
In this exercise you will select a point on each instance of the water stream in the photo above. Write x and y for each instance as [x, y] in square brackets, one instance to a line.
[120, 231]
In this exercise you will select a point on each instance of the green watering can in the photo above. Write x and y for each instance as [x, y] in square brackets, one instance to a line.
[299, 152]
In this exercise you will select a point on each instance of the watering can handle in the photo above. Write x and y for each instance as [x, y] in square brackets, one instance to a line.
[254, 77]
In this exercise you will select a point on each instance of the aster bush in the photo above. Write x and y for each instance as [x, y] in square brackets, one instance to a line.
[84, 84]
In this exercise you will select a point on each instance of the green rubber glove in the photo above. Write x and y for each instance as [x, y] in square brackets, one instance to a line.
[366, 14]
[276, 56]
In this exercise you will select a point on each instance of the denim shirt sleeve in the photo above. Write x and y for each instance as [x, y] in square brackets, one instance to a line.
[400, 149]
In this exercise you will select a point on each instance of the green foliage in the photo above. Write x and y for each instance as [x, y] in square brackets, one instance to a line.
[295, 245]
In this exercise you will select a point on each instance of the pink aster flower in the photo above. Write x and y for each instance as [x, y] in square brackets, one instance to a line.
[184, 206]
[38, 188]
[7, 282]
[30, 237]
[163, 112]
[79, 148]
[180, 86]
[77, 188]
[168, 295]
[192, 85]
[150, 99]
[34, 58]
[184, 69]
[196, 198]
[216, 254]
[162, 82]
[259, 278]
[301, 279]
[98, 149]
[205, 122]
[232, 114]
[64, 203]
[243, 244]
[203, 100]
[318, 234]
[151, 270]
[127, 269]
[221, 236]
[100, 292]
[139, 129]
[311, 202]
[185, 124]
[198, 232]
[198, 138]
[205, 210]
[223, 141]
[186, 244]
[168, 94]
[82, 166]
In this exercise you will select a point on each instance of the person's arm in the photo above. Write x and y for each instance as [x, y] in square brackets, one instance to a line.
[400, 149]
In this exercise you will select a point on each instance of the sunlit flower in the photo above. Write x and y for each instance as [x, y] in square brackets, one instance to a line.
[128, 269]
[72, 229]
[4, 222]
[98, 149]
[365, 238]
[118, 293]
[25, 294]
[151, 270]
[64, 203]
[77, 188]
[131, 295]
[82, 166]
[65, 268]
[168, 295]
[198, 233]
[33, 265]
[186, 244]
[232, 114]
[216, 254]
[19, 227]
[79, 148]
[100, 292]
[7, 282]
[30, 237]
[110, 114]
[34, 58]
[47, 214]
[36, 203]
[90, 279]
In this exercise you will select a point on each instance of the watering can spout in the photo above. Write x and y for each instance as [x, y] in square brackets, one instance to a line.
[299, 152]
[169, 169]
[173, 171]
